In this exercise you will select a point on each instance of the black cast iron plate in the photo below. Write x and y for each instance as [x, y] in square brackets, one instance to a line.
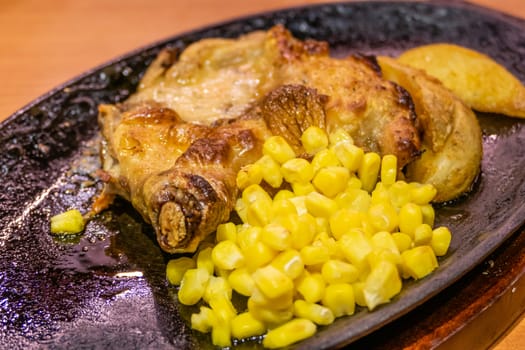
[107, 289]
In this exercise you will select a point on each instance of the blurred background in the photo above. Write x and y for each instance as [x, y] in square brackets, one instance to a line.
[45, 43]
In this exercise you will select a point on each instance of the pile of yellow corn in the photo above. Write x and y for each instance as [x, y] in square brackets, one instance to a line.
[310, 254]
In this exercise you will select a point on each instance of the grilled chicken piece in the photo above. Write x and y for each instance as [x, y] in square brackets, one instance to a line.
[222, 78]
[183, 183]
[174, 147]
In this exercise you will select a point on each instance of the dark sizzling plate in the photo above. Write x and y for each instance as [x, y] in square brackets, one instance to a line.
[107, 289]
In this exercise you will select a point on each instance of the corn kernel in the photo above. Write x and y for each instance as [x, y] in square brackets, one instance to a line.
[354, 182]
[343, 220]
[289, 333]
[204, 260]
[322, 224]
[419, 261]
[204, 320]
[356, 246]
[410, 217]
[331, 244]
[314, 139]
[283, 194]
[221, 334]
[382, 284]
[383, 216]
[380, 194]
[340, 299]
[277, 148]
[381, 254]
[331, 180]
[271, 172]
[369, 170]
[323, 159]
[244, 325]
[227, 255]
[176, 268]
[312, 255]
[402, 240]
[422, 235]
[366, 225]
[255, 193]
[311, 287]
[300, 204]
[336, 271]
[388, 169]
[248, 236]
[283, 207]
[226, 232]
[251, 174]
[384, 240]
[259, 254]
[422, 193]
[441, 238]
[241, 228]
[355, 199]
[224, 312]
[223, 308]
[303, 231]
[259, 213]
[297, 170]
[339, 135]
[193, 286]
[276, 237]
[282, 302]
[316, 313]
[428, 214]
[349, 155]
[301, 189]
[399, 193]
[241, 281]
[269, 316]
[359, 294]
[272, 282]
[319, 205]
[290, 263]
[69, 222]
[324, 239]
[242, 209]
[217, 287]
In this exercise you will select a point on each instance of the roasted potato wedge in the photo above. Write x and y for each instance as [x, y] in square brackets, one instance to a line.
[477, 79]
[452, 147]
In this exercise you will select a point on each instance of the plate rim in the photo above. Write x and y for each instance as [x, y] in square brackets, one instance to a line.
[163, 42]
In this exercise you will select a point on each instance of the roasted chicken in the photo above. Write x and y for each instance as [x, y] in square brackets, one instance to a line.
[174, 147]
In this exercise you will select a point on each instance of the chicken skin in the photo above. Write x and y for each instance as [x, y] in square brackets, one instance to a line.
[173, 149]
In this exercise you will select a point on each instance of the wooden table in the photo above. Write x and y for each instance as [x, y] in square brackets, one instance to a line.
[45, 43]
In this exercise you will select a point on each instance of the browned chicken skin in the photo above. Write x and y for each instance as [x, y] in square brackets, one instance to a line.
[174, 147]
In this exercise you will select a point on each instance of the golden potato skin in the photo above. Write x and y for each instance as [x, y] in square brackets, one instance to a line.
[452, 146]
[482, 83]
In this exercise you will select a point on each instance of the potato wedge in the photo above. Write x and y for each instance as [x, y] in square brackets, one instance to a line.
[452, 146]
[477, 79]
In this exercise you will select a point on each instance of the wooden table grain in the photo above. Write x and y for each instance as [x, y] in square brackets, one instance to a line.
[45, 43]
